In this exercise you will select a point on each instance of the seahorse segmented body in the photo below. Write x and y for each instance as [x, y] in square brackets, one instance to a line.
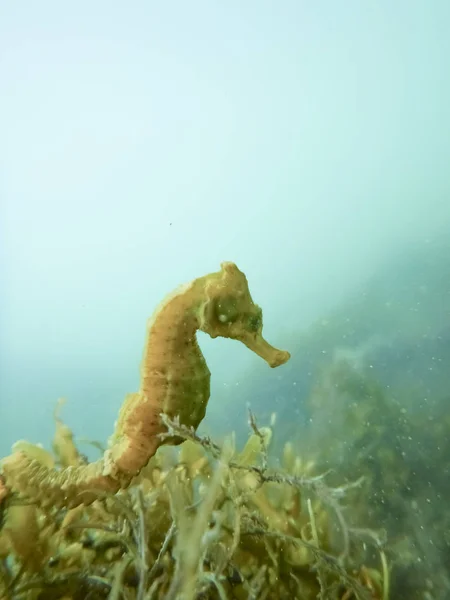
[175, 380]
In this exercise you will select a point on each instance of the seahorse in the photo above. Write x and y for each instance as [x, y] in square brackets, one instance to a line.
[174, 380]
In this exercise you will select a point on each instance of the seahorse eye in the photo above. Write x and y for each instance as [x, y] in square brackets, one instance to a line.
[226, 310]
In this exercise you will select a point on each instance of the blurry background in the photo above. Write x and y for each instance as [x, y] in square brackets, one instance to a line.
[143, 143]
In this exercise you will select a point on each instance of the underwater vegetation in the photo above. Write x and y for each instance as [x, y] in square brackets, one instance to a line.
[402, 456]
[199, 522]
[167, 514]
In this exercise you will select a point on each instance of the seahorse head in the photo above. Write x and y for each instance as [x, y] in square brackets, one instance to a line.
[228, 311]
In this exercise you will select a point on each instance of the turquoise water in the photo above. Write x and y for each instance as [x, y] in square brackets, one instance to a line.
[144, 144]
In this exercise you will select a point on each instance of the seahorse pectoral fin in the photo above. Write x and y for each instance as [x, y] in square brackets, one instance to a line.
[273, 356]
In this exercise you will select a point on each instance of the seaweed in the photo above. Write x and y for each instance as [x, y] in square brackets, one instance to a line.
[201, 521]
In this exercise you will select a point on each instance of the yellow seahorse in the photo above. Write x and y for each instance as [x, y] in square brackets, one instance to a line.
[175, 380]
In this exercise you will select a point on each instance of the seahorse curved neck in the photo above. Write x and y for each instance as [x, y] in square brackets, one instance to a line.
[171, 350]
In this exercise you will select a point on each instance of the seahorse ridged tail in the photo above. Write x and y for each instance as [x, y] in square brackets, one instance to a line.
[67, 487]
